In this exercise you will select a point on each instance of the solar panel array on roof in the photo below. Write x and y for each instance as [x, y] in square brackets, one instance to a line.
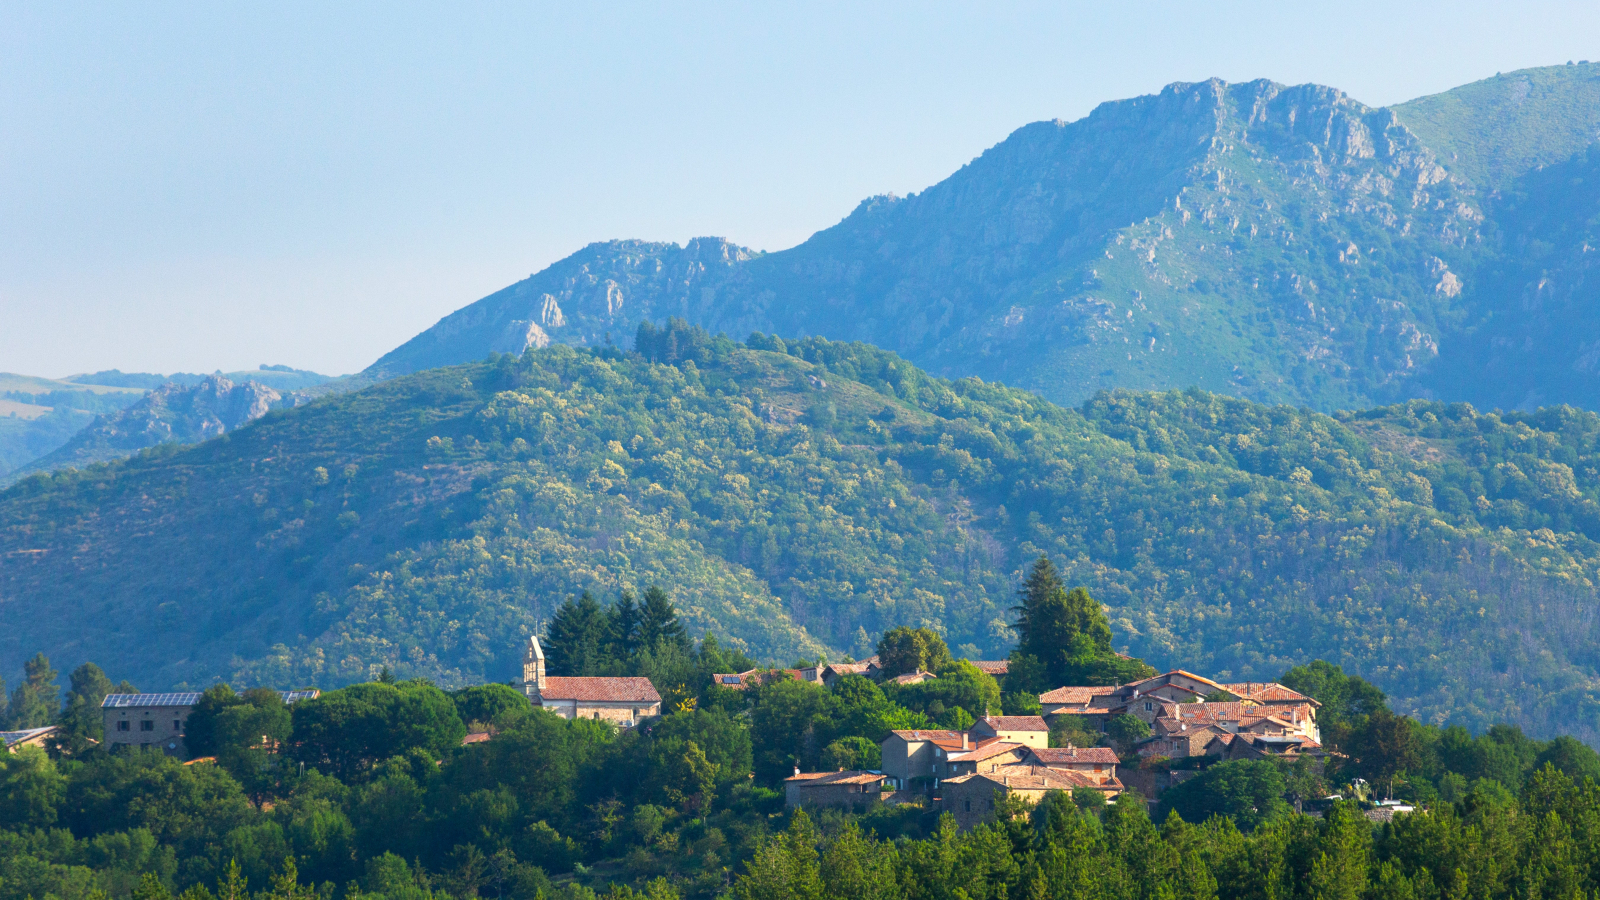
[189, 698]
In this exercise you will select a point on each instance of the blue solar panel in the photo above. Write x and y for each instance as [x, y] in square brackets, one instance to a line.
[114, 701]
[189, 698]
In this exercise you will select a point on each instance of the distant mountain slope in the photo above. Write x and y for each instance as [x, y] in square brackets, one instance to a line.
[172, 413]
[38, 415]
[1493, 131]
[806, 495]
[1284, 244]
[601, 292]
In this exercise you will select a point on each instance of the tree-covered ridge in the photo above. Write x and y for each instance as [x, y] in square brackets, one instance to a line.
[803, 497]
[370, 791]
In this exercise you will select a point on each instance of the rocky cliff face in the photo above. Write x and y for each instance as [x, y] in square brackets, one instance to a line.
[601, 292]
[1286, 244]
[172, 413]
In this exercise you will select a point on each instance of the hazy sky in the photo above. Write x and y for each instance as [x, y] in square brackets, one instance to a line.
[194, 187]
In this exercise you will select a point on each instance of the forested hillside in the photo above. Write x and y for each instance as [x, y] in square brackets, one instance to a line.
[799, 498]
[1279, 243]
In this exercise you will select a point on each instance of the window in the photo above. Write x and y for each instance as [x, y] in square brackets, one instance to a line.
[147, 725]
[123, 725]
[636, 712]
[177, 724]
[966, 806]
[597, 714]
[1148, 707]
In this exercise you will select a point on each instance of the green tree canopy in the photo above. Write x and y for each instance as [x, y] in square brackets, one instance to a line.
[905, 650]
[347, 731]
[1067, 633]
[36, 701]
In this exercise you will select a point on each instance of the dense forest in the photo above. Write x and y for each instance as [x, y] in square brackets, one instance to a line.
[802, 497]
[370, 791]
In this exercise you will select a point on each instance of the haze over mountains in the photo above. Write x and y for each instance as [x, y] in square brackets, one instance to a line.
[1285, 244]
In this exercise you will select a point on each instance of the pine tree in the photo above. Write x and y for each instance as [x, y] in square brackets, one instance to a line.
[577, 638]
[659, 621]
[82, 719]
[35, 703]
[626, 618]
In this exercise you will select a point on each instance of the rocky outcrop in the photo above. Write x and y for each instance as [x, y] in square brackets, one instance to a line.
[172, 413]
[1281, 243]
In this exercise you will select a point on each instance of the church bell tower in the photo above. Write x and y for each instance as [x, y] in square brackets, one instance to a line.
[533, 666]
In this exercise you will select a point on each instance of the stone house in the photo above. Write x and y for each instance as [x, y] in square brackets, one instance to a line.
[845, 788]
[1028, 730]
[972, 799]
[1098, 764]
[1093, 704]
[157, 720]
[622, 701]
[916, 754]
[988, 755]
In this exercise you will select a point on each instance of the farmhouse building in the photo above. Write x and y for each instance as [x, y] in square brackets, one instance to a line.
[157, 720]
[623, 701]
[972, 799]
[845, 788]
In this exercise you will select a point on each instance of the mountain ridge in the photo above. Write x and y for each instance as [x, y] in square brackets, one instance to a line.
[1279, 243]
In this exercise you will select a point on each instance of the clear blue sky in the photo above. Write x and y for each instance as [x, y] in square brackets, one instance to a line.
[193, 187]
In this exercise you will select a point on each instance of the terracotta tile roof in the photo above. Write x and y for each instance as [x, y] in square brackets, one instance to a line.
[601, 690]
[929, 735]
[476, 737]
[1166, 678]
[1054, 756]
[855, 668]
[914, 677]
[1268, 692]
[987, 750]
[1037, 778]
[992, 666]
[1076, 695]
[1015, 723]
[849, 776]
[1231, 711]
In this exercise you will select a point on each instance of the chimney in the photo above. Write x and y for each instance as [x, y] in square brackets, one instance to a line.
[964, 740]
[797, 771]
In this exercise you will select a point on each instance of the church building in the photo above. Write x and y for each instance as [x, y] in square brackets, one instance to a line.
[623, 701]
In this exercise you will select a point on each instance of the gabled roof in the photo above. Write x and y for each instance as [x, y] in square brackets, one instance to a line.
[1166, 678]
[1268, 692]
[12, 738]
[600, 690]
[928, 735]
[1076, 695]
[848, 776]
[1014, 723]
[185, 698]
[991, 666]
[914, 677]
[987, 750]
[1064, 756]
[1036, 778]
